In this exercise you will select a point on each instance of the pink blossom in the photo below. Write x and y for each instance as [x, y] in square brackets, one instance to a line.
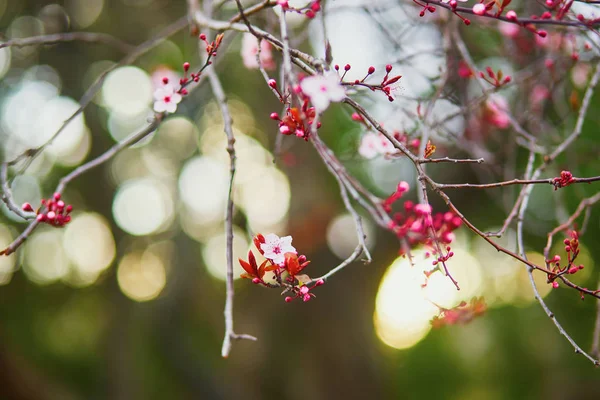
[508, 29]
[250, 49]
[322, 90]
[275, 248]
[160, 73]
[375, 144]
[495, 112]
[538, 95]
[166, 99]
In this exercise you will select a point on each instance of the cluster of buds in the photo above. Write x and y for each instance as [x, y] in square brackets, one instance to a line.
[212, 47]
[53, 211]
[565, 179]
[496, 79]
[386, 86]
[572, 249]
[424, 7]
[166, 98]
[303, 291]
[296, 121]
[461, 314]
[310, 11]
[416, 222]
[283, 260]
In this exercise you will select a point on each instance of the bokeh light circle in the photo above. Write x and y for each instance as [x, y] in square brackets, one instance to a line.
[142, 206]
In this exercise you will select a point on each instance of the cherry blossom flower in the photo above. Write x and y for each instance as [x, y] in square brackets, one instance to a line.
[274, 248]
[166, 99]
[322, 90]
[160, 73]
[495, 112]
[250, 49]
[374, 144]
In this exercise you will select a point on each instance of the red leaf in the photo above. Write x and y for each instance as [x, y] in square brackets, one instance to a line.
[291, 263]
[262, 269]
[247, 267]
[393, 80]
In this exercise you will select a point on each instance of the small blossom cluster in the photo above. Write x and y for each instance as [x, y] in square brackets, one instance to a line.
[461, 314]
[250, 50]
[320, 90]
[310, 11]
[373, 144]
[386, 86]
[416, 223]
[565, 179]
[496, 79]
[572, 249]
[166, 98]
[283, 260]
[53, 211]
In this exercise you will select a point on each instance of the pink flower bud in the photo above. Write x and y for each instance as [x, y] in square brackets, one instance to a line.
[272, 83]
[202, 36]
[186, 66]
[304, 290]
[555, 285]
[306, 297]
[511, 15]
[256, 281]
[274, 116]
[403, 186]
[322, 282]
[288, 299]
[388, 68]
[479, 9]
[371, 70]
[347, 67]
[26, 207]
[41, 217]
[51, 215]
[56, 196]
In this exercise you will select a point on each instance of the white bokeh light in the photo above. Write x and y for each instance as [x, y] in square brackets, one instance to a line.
[142, 206]
[127, 90]
[52, 117]
[342, 238]
[203, 188]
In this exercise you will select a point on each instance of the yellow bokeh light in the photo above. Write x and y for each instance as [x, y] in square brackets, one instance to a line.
[45, 259]
[404, 307]
[141, 276]
[213, 253]
[7, 263]
[89, 244]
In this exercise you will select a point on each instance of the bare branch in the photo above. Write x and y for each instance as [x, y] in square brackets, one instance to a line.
[87, 37]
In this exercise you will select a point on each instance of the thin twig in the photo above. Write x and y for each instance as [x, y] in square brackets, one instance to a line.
[87, 37]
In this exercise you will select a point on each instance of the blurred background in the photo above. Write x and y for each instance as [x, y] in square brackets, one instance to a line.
[126, 301]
